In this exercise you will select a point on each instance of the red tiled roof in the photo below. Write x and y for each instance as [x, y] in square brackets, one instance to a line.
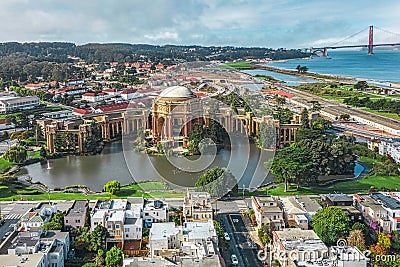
[200, 94]
[82, 111]
[280, 93]
[89, 94]
[112, 107]
[129, 91]
[110, 90]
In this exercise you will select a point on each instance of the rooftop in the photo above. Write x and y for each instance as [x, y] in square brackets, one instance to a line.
[298, 239]
[22, 261]
[177, 92]
[387, 201]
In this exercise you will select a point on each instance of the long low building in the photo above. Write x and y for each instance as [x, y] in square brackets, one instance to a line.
[11, 104]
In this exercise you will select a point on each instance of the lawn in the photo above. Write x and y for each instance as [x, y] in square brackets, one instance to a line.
[350, 187]
[145, 186]
[238, 65]
[279, 191]
[382, 113]
[5, 164]
[18, 192]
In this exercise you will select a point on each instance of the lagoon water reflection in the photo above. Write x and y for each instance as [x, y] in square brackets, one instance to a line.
[95, 171]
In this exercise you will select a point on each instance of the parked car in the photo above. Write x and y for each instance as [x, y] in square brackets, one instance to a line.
[234, 259]
[226, 236]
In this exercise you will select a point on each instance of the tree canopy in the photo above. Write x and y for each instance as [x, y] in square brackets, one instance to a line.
[216, 181]
[112, 187]
[330, 224]
[114, 257]
[294, 164]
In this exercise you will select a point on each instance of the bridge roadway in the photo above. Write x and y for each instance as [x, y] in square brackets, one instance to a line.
[336, 109]
[353, 46]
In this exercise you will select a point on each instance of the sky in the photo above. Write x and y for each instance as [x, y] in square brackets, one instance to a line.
[261, 23]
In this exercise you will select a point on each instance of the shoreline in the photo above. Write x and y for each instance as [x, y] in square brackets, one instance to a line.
[326, 77]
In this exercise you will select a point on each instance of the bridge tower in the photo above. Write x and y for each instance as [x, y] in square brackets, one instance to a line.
[371, 40]
[325, 54]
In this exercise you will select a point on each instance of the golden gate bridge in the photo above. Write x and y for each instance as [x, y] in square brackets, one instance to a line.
[352, 42]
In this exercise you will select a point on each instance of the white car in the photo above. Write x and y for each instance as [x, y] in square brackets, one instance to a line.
[234, 259]
[226, 235]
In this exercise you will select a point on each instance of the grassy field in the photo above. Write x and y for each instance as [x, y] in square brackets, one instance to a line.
[22, 192]
[382, 113]
[145, 186]
[238, 65]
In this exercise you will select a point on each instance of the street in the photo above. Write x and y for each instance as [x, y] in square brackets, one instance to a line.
[240, 243]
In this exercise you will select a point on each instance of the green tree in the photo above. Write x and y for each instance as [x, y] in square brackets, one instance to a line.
[216, 181]
[361, 85]
[16, 154]
[284, 115]
[112, 187]
[82, 241]
[384, 240]
[114, 257]
[305, 123]
[100, 257]
[218, 228]
[330, 224]
[56, 223]
[293, 165]
[98, 238]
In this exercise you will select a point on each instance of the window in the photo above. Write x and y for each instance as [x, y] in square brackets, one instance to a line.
[126, 235]
[66, 221]
[117, 226]
[127, 230]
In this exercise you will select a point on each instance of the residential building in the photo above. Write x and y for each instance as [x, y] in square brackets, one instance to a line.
[391, 204]
[53, 246]
[129, 94]
[193, 239]
[76, 216]
[28, 260]
[293, 213]
[133, 228]
[348, 257]
[154, 211]
[93, 97]
[268, 212]
[337, 200]
[390, 148]
[11, 104]
[345, 202]
[305, 244]
[33, 220]
[197, 207]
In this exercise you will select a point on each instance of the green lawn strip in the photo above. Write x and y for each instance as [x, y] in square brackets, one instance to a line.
[19, 192]
[382, 113]
[238, 65]
[144, 186]
[279, 191]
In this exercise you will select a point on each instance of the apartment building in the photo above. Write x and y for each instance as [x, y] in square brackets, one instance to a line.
[197, 207]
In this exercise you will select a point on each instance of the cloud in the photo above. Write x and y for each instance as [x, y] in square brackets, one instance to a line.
[268, 23]
[162, 36]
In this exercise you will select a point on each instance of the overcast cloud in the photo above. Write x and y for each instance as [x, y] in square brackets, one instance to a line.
[278, 23]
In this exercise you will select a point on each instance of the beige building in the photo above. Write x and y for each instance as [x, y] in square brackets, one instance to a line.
[294, 244]
[197, 207]
[268, 212]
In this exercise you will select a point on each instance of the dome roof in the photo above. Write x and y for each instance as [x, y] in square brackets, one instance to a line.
[177, 92]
